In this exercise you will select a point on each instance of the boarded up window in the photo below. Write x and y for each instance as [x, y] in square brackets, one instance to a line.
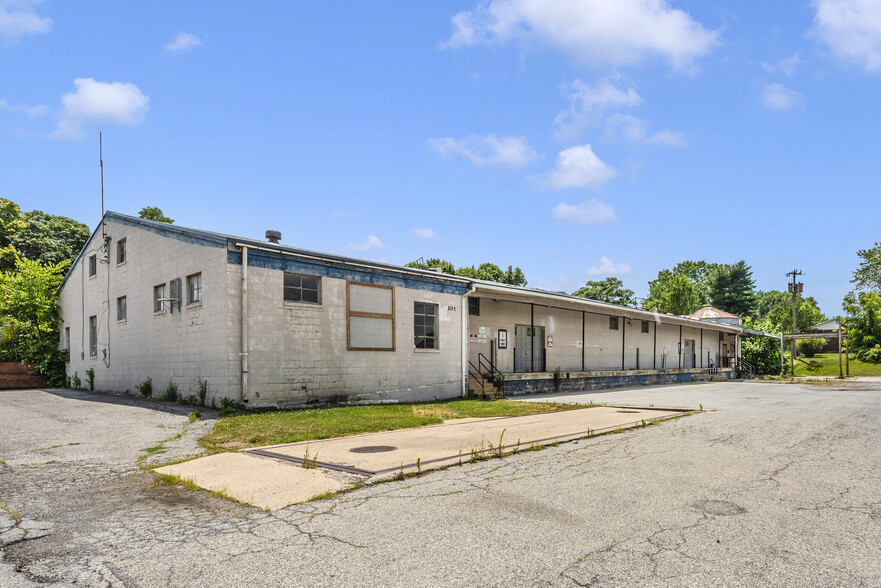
[645, 326]
[371, 317]
[613, 323]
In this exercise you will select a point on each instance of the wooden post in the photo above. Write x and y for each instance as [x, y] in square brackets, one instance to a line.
[847, 348]
[782, 365]
[840, 371]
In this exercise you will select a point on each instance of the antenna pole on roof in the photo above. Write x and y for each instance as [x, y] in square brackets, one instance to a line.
[101, 163]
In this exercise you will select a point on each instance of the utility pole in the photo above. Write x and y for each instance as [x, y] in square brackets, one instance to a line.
[795, 288]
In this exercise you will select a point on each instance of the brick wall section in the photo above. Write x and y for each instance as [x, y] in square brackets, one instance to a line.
[18, 375]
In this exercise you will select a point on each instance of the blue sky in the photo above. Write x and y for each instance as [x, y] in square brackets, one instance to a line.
[576, 139]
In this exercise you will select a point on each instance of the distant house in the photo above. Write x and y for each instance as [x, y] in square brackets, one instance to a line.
[712, 314]
[271, 325]
[831, 327]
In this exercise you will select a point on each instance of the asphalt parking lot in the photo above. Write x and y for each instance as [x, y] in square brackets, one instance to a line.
[775, 484]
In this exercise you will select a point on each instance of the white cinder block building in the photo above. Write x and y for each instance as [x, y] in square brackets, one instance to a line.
[270, 325]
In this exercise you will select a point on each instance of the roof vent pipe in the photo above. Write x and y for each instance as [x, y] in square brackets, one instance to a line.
[273, 236]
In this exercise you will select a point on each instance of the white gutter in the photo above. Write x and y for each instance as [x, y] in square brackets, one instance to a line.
[244, 316]
[465, 341]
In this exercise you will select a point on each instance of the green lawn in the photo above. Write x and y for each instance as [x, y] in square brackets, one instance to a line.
[826, 364]
[271, 428]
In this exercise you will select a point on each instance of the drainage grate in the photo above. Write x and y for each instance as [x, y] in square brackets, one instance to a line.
[629, 411]
[373, 449]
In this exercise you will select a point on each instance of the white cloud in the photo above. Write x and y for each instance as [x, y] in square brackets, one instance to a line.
[28, 111]
[588, 103]
[635, 130]
[578, 167]
[598, 32]
[100, 102]
[785, 66]
[851, 29]
[779, 97]
[591, 212]
[421, 233]
[182, 42]
[372, 242]
[489, 150]
[607, 267]
[17, 18]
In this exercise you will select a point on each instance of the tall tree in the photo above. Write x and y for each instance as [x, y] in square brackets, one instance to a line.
[154, 213]
[38, 236]
[732, 289]
[868, 275]
[485, 271]
[29, 316]
[608, 290]
[776, 307]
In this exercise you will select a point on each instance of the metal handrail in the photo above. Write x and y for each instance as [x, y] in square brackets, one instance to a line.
[493, 370]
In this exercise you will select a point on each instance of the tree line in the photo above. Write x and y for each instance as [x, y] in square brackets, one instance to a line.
[36, 251]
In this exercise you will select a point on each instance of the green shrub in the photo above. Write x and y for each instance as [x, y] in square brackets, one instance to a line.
[194, 416]
[558, 379]
[810, 347]
[75, 381]
[90, 378]
[226, 407]
[170, 392]
[146, 388]
[870, 354]
[203, 391]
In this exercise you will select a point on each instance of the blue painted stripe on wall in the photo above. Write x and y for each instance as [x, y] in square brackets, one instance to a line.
[268, 260]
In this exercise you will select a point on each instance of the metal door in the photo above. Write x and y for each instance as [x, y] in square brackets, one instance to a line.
[525, 343]
[688, 354]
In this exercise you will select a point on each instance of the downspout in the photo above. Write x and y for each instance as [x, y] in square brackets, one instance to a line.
[655, 349]
[702, 348]
[680, 346]
[465, 339]
[244, 315]
[623, 340]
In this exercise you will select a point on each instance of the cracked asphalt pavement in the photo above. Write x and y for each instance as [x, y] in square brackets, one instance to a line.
[775, 484]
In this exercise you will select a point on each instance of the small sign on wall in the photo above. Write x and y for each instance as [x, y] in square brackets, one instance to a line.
[503, 339]
[579, 344]
[550, 341]
[472, 337]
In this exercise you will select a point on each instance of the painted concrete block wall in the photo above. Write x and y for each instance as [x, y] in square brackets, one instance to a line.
[604, 348]
[184, 346]
[298, 351]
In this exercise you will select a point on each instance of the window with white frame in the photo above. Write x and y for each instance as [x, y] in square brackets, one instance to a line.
[93, 265]
[194, 288]
[158, 298]
[121, 312]
[93, 336]
[302, 288]
[120, 252]
[370, 312]
[425, 325]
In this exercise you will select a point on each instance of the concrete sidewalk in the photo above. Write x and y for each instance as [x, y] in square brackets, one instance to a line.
[278, 481]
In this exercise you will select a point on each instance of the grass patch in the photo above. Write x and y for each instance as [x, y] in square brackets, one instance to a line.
[826, 364]
[172, 480]
[253, 430]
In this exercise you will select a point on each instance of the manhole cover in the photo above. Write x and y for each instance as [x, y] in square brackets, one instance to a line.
[372, 449]
[628, 411]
